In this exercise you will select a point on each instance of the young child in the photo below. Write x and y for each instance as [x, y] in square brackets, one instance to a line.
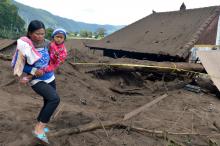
[58, 53]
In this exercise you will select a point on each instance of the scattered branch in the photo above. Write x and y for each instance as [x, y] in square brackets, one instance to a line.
[119, 125]
[103, 126]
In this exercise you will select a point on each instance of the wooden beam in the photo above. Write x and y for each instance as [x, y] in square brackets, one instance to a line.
[179, 67]
[144, 107]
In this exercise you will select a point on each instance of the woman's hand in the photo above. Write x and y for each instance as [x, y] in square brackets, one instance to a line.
[24, 80]
[39, 73]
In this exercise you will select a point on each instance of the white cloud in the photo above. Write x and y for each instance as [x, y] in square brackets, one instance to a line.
[115, 12]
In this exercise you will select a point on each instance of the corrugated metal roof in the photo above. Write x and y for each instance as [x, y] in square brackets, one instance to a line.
[5, 43]
[168, 33]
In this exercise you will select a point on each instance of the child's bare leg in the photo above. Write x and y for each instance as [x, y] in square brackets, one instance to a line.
[29, 77]
[26, 79]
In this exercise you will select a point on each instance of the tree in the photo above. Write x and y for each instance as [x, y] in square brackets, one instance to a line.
[89, 34]
[101, 32]
[83, 33]
[11, 24]
[95, 34]
[49, 32]
[75, 33]
[5, 1]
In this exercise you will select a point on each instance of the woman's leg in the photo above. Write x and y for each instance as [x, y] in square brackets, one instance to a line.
[42, 109]
[53, 84]
[51, 101]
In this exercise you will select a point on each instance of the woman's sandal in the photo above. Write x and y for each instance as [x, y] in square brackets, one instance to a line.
[46, 130]
[41, 137]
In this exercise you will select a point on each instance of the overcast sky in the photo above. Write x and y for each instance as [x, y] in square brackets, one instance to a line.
[114, 12]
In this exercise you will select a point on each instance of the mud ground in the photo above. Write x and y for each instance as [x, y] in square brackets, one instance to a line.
[95, 95]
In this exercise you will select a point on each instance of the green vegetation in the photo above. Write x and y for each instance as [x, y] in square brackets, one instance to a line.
[49, 32]
[98, 34]
[11, 24]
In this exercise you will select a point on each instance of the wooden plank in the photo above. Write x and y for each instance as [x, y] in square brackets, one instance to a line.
[144, 107]
[210, 60]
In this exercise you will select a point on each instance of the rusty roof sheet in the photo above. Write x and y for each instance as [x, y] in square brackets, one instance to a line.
[169, 33]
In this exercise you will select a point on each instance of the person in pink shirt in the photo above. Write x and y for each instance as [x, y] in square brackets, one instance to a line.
[57, 51]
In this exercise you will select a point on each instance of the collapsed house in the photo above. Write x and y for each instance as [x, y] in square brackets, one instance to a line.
[7, 46]
[165, 36]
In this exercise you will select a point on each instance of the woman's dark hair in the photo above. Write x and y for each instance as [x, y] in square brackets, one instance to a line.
[35, 25]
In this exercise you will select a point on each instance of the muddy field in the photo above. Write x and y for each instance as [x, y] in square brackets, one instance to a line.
[98, 96]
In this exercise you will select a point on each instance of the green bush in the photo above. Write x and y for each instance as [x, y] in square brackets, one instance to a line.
[11, 24]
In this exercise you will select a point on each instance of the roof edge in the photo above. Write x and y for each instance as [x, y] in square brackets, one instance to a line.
[196, 35]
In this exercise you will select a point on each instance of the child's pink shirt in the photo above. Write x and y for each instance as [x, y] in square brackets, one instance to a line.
[58, 54]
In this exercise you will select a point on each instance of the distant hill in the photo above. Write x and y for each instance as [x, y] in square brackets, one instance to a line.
[28, 13]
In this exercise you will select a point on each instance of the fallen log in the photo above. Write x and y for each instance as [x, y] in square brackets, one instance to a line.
[106, 124]
[179, 67]
[85, 128]
[119, 125]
